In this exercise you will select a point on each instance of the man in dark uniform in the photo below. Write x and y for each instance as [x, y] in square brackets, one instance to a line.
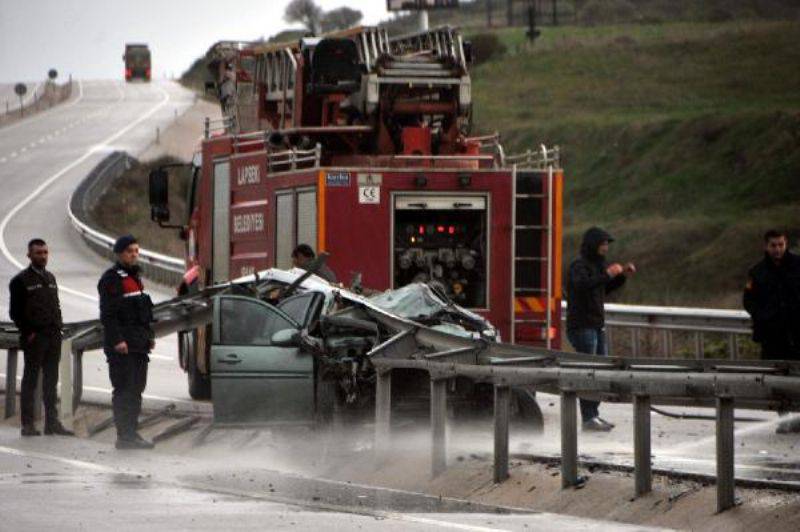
[36, 311]
[589, 279]
[126, 312]
[772, 298]
[303, 254]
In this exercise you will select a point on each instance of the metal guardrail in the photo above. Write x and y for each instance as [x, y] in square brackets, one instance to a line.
[666, 321]
[720, 384]
[156, 266]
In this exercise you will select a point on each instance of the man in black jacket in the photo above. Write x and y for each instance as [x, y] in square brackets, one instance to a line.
[126, 312]
[589, 279]
[772, 298]
[36, 311]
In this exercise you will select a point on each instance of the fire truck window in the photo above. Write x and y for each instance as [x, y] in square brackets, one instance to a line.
[445, 241]
[244, 322]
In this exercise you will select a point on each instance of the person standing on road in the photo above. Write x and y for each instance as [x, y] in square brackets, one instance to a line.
[126, 313]
[589, 279]
[772, 298]
[36, 311]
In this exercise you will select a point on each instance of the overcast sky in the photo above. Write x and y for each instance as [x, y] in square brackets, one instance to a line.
[87, 37]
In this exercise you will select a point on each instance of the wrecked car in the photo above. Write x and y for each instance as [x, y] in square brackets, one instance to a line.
[289, 347]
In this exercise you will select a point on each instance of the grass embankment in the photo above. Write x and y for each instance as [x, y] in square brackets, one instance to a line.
[124, 208]
[682, 139]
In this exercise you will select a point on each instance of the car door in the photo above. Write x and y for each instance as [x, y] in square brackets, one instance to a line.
[254, 381]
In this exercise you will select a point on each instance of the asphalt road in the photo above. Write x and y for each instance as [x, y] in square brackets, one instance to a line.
[42, 159]
[88, 488]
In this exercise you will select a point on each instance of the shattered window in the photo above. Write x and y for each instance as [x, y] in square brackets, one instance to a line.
[246, 322]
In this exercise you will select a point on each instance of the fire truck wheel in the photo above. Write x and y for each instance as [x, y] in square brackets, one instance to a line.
[528, 416]
[199, 384]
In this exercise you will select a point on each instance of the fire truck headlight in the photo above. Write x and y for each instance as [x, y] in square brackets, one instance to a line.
[420, 181]
[464, 180]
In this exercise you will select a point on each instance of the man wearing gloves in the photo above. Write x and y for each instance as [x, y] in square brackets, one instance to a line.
[589, 279]
[126, 312]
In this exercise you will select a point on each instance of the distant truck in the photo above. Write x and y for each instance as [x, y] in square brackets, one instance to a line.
[137, 62]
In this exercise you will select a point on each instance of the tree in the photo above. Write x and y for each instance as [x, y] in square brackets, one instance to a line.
[341, 19]
[306, 12]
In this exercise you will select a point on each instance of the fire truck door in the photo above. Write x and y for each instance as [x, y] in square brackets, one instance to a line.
[221, 236]
[253, 380]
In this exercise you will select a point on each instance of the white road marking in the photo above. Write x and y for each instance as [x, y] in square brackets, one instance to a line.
[49, 181]
[394, 516]
[66, 461]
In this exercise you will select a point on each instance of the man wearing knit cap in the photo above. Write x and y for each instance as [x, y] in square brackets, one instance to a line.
[126, 312]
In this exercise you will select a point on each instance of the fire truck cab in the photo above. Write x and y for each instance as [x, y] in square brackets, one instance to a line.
[359, 146]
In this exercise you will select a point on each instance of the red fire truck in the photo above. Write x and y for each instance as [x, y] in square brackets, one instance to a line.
[359, 145]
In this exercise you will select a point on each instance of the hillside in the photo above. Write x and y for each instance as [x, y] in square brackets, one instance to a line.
[682, 139]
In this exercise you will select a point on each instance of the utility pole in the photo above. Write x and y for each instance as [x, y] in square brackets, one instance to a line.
[489, 9]
[555, 12]
[510, 13]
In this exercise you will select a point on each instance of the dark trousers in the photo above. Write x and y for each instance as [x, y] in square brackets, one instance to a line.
[779, 348]
[592, 342]
[43, 354]
[128, 374]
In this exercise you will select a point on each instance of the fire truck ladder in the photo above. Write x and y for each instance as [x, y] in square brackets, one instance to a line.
[528, 192]
[443, 42]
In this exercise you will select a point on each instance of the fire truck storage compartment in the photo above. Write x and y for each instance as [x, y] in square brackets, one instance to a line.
[222, 238]
[295, 223]
[443, 238]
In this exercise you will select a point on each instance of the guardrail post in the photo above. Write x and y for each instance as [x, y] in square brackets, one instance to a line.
[569, 439]
[698, 345]
[77, 376]
[641, 445]
[733, 346]
[502, 408]
[635, 342]
[666, 342]
[65, 378]
[438, 423]
[725, 454]
[383, 408]
[11, 383]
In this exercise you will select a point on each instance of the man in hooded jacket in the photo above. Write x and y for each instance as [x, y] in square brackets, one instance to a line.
[589, 279]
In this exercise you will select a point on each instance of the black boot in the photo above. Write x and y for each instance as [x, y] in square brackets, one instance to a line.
[57, 429]
[30, 430]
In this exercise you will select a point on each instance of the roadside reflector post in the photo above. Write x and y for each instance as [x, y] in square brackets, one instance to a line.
[11, 383]
[641, 445]
[725, 454]
[438, 425]
[383, 407]
[569, 439]
[65, 378]
[502, 408]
